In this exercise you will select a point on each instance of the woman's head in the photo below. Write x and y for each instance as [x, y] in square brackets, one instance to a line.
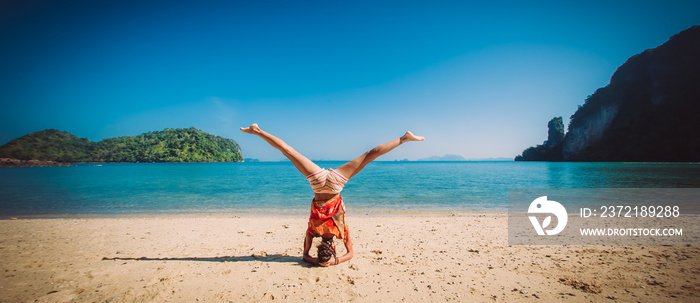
[325, 250]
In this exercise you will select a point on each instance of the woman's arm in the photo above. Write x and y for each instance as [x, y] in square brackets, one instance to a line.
[307, 247]
[350, 252]
[347, 256]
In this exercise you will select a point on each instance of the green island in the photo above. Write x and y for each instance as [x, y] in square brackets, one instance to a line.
[169, 145]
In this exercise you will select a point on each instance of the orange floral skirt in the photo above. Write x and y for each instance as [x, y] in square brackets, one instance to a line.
[328, 217]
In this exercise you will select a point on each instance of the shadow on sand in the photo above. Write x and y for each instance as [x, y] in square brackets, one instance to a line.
[268, 258]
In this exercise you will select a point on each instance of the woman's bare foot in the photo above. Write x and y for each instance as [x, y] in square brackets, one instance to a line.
[252, 129]
[409, 136]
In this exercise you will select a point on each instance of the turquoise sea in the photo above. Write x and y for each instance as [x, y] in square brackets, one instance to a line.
[277, 188]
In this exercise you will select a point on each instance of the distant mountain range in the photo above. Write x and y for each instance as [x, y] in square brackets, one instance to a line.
[169, 145]
[449, 157]
[446, 157]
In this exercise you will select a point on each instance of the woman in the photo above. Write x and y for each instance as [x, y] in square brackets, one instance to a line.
[327, 218]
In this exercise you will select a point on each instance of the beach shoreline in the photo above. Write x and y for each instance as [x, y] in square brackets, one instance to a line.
[286, 213]
[239, 258]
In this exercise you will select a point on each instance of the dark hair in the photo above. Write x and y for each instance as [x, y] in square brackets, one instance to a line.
[325, 250]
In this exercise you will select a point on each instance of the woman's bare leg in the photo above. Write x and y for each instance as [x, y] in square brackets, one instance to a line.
[304, 165]
[355, 166]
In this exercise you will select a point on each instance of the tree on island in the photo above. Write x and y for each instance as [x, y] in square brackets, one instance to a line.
[169, 145]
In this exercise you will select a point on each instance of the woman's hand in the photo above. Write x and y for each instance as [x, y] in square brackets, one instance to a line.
[310, 259]
[332, 261]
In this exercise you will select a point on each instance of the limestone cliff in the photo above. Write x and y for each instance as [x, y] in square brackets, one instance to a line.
[549, 150]
[648, 112]
[589, 132]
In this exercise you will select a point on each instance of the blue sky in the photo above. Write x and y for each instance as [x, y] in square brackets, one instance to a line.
[333, 79]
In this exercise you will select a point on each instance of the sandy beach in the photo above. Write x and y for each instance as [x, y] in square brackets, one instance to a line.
[410, 258]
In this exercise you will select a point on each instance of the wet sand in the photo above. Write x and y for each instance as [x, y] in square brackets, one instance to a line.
[258, 258]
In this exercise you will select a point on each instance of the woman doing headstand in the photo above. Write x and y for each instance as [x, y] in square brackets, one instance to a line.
[327, 209]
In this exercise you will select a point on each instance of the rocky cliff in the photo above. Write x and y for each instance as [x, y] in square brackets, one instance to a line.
[550, 150]
[648, 112]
